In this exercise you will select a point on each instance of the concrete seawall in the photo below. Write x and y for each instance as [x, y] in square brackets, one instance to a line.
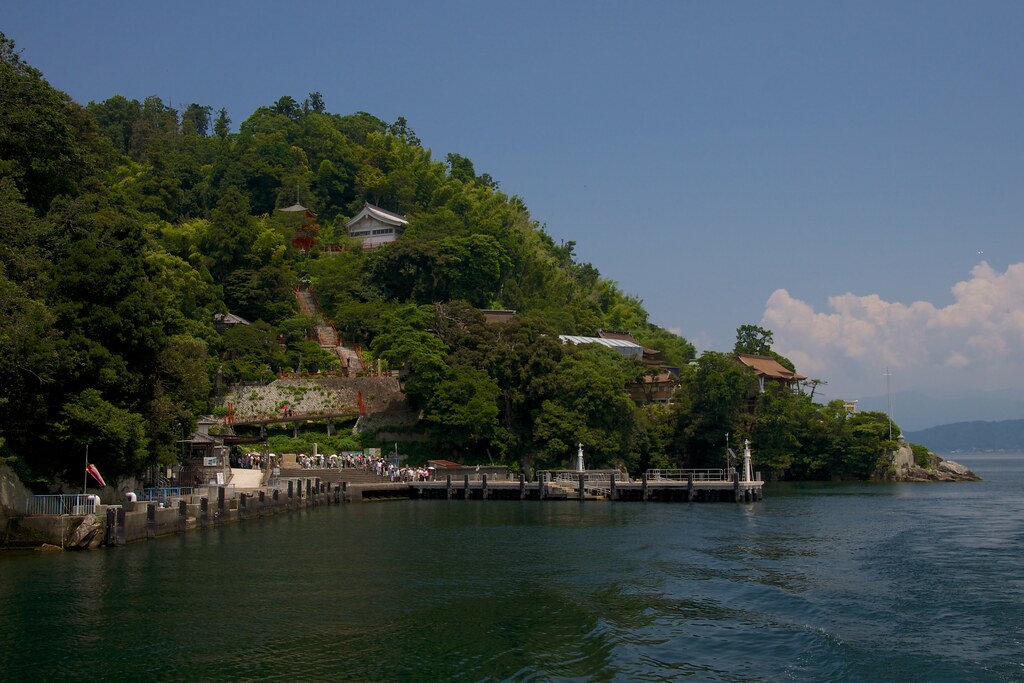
[114, 525]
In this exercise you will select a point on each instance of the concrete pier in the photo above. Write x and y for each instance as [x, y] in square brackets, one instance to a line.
[148, 520]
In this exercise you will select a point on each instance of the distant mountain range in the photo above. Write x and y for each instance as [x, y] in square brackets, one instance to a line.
[915, 411]
[968, 436]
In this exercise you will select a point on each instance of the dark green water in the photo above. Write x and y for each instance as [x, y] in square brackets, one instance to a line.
[818, 582]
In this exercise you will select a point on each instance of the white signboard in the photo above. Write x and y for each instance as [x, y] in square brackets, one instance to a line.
[210, 461]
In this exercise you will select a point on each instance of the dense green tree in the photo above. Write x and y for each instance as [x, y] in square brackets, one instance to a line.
[250, 353]
[222, 126]
[460, 168]
[711, 403]
[116, 117]
[757, 341]
[116, 437]
[463, 410]
[754, 340]
[314, 103]
[589, 406]
[39, 148]
[287, 106]
[405, 342]
[195, 120]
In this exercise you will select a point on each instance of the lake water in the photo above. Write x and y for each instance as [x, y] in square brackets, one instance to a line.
[857, 582]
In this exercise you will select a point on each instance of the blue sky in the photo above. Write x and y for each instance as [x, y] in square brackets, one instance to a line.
[848, 174]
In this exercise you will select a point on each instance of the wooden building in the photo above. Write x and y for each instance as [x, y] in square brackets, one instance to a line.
[770, 370]
[373, 226]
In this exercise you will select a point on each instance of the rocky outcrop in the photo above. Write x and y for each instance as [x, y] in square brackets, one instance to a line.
[904, 468]
[13, 495]
[88, 536]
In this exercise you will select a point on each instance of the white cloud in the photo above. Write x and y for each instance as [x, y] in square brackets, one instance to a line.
[976, 342]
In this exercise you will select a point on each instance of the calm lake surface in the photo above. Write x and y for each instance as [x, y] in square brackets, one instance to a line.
[858, 582]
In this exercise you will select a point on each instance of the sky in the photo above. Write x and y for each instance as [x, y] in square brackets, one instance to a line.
[849, 175]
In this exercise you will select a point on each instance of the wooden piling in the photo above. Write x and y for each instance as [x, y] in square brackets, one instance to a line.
[522, 486]
[204, 512]
[110, 531]
[448, 486]
[611, 487]
[151, 521]
[646, 490]
[582, 491]
[689, 487]
[120, 523]
[182, 516]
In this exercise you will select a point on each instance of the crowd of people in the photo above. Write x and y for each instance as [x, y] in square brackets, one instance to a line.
[252, 461]
[380, 466]
[333, 461]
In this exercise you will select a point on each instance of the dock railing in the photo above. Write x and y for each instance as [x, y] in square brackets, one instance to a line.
[684, 475]
[573, 476]
[597, 482]
[165, 494]
[210, 491]
[61, 504]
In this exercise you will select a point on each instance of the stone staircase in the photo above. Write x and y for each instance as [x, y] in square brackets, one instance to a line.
[326, 333]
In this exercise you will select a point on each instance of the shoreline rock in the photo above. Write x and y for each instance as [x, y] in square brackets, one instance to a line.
[904, 468]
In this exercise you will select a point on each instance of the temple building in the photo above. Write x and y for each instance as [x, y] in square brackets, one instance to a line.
[373, 226]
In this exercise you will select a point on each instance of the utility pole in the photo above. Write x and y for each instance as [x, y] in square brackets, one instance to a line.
[888, 395]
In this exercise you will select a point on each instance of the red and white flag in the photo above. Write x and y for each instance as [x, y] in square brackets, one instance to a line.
[95, 474]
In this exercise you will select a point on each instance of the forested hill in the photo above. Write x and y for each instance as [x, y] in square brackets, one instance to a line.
[973, 436]
[126, 225]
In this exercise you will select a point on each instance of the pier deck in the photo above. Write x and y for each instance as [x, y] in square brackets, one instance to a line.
[662, 491]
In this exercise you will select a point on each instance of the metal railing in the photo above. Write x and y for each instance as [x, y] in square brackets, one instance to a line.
[684, 475]
[596, 482]
[573, 476]
[61, 504]
[210, 491]
[163, 494]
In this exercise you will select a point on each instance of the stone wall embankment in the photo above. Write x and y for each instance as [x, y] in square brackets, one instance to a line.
[323, 396]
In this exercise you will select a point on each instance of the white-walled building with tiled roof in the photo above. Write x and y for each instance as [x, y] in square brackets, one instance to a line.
[373, 226]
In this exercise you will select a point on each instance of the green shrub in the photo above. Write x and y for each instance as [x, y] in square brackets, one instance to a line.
[922, 458]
